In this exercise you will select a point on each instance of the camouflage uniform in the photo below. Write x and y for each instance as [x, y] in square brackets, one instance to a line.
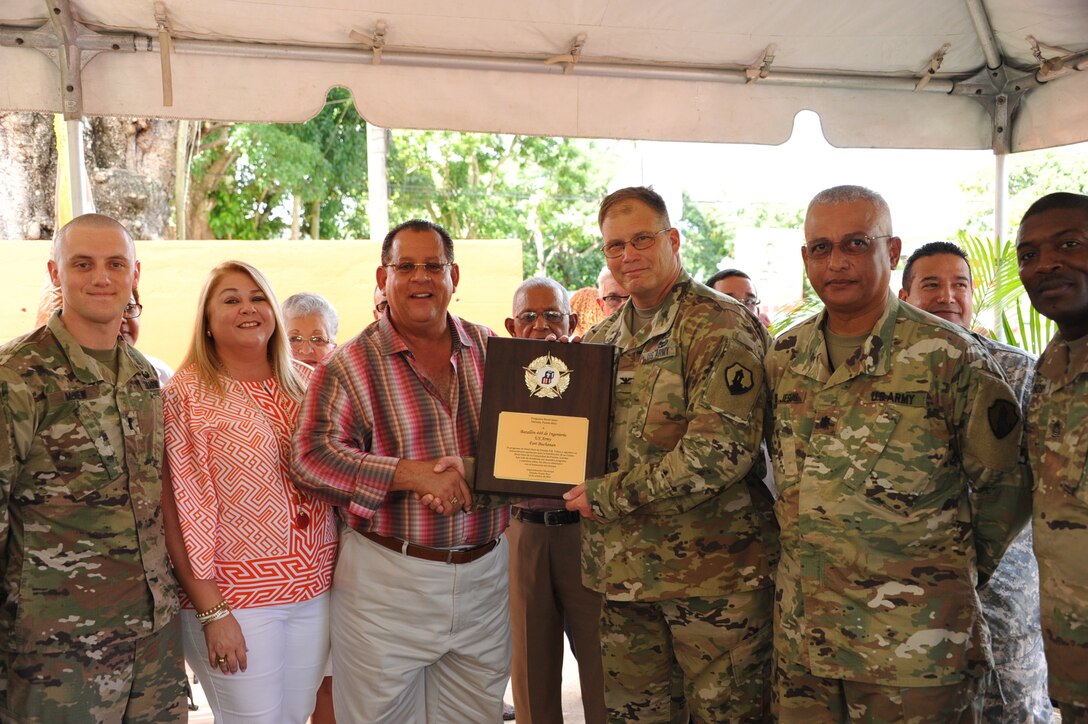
[1058, 451]
[686, 544]
[1010, 601]
[88, 623]
[883, 538]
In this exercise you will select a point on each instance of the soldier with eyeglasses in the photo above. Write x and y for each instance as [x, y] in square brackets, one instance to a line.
[679, 535]
[895, 445]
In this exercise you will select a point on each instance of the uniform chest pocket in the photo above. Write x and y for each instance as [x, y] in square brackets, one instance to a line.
[1065, 459]
[664, 419]
[83, 458]
[893, 458]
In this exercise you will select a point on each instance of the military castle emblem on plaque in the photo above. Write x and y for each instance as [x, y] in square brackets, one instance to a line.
[547, 377]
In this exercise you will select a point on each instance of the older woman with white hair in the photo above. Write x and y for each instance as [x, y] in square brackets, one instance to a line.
[312, 324]
[253, 555]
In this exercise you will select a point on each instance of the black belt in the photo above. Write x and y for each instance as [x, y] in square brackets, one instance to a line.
[546, 517]
[439, 555]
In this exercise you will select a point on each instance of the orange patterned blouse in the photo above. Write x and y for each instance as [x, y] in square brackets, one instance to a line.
[244, 523]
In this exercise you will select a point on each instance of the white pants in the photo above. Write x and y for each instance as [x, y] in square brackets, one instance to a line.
[287, 648]
[417, 642]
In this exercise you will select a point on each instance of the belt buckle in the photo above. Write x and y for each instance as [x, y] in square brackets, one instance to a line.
[553, 518]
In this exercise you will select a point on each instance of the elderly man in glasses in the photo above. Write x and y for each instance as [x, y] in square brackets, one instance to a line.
[610, 295]
[420, 624]
[546, 591]
[895, 446]
[679, 535]
[312, 324]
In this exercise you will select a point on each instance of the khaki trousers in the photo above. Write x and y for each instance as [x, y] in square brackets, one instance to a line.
[418, 642]
[547, 595]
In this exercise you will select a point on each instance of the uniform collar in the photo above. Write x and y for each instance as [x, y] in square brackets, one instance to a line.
[1060, 364]
[622, 336]
[83, 366]
[874, 358]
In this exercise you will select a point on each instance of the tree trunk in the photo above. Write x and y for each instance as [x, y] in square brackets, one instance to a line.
[296, 214]
[202, 185]
[131, 163]
[315, 220]
[28, 166]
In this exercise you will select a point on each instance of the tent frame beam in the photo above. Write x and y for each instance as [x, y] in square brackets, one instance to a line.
[998, 88]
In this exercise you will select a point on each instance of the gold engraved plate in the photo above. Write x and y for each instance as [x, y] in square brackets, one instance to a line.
[547, 377]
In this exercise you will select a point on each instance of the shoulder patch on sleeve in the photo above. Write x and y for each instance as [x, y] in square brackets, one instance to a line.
[995, 428]
[735, 381]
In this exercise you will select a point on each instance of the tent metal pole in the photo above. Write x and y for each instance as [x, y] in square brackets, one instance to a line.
[1001, 226]
[377, 203]
[73, 185]
[424, 59]
[1001, 198]
[985, 33]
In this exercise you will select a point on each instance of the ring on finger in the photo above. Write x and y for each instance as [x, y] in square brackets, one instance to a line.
[220, 659]
[453, 500]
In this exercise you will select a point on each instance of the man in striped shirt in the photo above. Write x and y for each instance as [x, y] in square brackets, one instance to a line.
[419, 604]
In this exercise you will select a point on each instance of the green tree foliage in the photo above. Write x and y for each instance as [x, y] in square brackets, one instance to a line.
[1031, 175]
[707, 237]
[771, 214]
[315, 169]
[1001, 305]
[540, 190]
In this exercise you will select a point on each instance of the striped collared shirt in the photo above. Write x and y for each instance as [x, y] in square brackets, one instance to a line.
[367, 408]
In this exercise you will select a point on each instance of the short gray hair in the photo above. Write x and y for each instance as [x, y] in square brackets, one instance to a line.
[560, 291]
[847, 194]
[303, 303]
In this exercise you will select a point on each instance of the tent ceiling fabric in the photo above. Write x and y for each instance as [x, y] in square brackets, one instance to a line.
[639, 68]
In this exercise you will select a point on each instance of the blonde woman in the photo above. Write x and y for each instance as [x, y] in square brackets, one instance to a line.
[253, 554]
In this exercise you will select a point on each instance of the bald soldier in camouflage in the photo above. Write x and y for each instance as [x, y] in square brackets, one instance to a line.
[895, 445]
[679, 535]
[1052, 253]
[88, 626]
[937, 279]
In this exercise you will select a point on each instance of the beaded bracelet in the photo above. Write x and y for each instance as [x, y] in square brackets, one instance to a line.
[221, 613]
[214, 613]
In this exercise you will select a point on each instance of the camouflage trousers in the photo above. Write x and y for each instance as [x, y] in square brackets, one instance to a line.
[801, 697]
[136, 681]
[719, 647]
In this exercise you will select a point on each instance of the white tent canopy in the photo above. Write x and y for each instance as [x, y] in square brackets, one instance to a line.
[1003, 74]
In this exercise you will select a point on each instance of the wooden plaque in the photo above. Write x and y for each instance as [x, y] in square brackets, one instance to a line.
[545, 416]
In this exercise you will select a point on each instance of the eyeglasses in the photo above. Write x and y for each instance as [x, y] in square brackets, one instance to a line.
[855, 245]
[615, 300]
[132, 311]
[747, 301]
[315, 341]
[643, 240]
[550, 316]
[381, 306]
[432, 268]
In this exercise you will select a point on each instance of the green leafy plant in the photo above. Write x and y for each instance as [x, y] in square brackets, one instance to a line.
[999, 296]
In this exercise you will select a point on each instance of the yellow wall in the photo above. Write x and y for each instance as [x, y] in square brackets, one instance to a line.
[173, 272]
